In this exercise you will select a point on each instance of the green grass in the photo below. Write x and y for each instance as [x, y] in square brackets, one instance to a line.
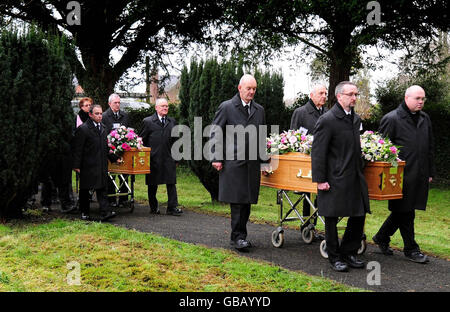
[431, 226]
[34, 257]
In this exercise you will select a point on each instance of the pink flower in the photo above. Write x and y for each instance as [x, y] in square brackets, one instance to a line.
[369, 132]
[303, 138]
[113, 147]
[130, 136]
[113, 133]
[126, 147]
[393, 149]
[283, 140]
[293, 139]
[381, 141]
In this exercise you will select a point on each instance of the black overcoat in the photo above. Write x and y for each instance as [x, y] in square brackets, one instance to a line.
[108, 119]
[336, 159]
[158, 137]
[239, 180]
[416, 148]
[306, 116]
[90, 154]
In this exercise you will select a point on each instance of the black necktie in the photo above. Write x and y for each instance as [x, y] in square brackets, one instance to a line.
[247, 109]
[116, 115]
[98, 128]
[163, 120]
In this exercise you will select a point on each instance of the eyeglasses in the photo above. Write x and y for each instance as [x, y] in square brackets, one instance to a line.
[356, 95]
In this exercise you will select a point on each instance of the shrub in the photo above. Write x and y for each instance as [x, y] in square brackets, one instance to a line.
[35, 109]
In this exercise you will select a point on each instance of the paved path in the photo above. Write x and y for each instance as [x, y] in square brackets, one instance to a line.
[397, 273]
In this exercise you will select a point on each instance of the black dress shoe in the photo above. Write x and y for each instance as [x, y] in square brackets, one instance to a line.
[174, 211]
[384, 248]
[108, 216]
[339, 266]
[417, 256]
[154, 211]
[240, 244]
[85, 217]
[353, 262]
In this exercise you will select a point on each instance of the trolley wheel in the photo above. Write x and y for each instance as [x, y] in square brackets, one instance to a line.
[363, 247]
[323, 249]
[308, 234]
[278, 238]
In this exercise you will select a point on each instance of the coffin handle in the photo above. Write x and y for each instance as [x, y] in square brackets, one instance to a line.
[299, 174]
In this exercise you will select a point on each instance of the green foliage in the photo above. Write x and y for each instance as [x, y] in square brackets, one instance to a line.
[137, 115]
[204, 86]
[35, 109]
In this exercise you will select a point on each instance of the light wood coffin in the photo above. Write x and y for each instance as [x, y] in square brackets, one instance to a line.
[294, 174]
[383, 180]
[134, 162]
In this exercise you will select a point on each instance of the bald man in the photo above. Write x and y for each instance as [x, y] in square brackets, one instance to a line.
[239, 177]
[410, 128]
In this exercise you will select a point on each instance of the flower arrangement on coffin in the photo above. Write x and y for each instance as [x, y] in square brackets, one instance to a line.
[375, 147]
[123, 139]
[289, 141]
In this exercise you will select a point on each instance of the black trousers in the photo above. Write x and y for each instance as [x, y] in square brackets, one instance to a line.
[63, 192]
[403, 221]
[112, 190]
[240, 214]
[101, 198]
[172, 197]
[351, 241]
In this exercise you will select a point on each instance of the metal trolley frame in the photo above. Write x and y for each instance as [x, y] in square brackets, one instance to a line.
[307, 223]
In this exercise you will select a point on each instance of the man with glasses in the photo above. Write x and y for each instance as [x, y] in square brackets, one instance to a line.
[410, 128]
[337, 167]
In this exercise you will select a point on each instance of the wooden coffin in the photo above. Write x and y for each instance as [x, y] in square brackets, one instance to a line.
[134, 162]
[293, 173]
[383, 180]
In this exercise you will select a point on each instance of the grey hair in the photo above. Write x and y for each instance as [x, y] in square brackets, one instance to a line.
[316, 87]
[340, 86]
[159, 100]
[112, 96]
[245, 77]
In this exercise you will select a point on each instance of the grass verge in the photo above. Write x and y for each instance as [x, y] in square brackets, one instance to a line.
[46, 257]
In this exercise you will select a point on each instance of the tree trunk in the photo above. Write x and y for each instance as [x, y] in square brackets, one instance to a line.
[341, 55]
[98, 83]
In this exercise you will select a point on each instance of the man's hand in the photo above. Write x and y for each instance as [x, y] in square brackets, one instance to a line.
[430, 179]
[76, 170]
[217, 165]
[323, 186]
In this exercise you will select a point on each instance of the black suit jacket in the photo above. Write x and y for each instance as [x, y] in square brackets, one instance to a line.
[336, 159]
[306, 117]
[90, 155]
[158, 137]
[108, 119]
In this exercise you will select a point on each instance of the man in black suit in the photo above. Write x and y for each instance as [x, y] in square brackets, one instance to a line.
[113, 118]
[156, 133]
[306, 117]
[337, 167]
[90, 160]
[239, 171]
[409, 127]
